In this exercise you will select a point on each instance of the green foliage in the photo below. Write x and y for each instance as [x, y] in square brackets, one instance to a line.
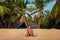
[4, 10]
[53, 17]
[31, 9]
[7, 8]
[39, 3]
[8, 15]
[1, 11]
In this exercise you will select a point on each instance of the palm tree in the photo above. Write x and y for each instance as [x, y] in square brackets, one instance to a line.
[40, 4]
[11, 5]
[55, 14]
[22, 5]
[3, 11]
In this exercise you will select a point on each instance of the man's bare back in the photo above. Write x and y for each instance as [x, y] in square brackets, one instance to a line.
[29, 31]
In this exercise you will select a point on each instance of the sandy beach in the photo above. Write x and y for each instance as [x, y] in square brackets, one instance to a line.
[20, 34]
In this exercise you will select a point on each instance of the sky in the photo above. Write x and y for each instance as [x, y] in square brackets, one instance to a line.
[49, 7]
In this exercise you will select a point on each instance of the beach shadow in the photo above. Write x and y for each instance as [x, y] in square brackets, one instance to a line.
[31, 36]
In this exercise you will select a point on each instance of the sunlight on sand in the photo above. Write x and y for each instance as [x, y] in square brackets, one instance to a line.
[20, 34]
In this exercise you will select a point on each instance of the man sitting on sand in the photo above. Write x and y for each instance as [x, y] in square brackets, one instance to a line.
[29, 31]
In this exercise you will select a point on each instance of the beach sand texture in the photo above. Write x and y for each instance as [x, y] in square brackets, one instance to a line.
[20, 34]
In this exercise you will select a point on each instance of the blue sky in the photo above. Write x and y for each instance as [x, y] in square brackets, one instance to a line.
[49, 6]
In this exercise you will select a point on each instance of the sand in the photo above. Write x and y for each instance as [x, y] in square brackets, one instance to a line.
[20, 34]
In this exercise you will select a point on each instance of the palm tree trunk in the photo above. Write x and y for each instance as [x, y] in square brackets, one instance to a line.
[0, 24]
[25, 20]
[3, 22]
[9, 21]
[9, 25]
[39, 24]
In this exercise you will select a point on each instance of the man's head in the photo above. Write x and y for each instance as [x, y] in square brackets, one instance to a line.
[29, 27]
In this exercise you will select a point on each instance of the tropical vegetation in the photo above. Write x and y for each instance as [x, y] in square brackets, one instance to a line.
[13, 12]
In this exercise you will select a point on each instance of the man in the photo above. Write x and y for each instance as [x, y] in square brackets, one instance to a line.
[29, 31]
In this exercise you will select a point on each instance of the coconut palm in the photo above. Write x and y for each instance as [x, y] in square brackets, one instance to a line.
[11, 5]
[22, 5]
[40, 4]
[3, 11]
[55, 14]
